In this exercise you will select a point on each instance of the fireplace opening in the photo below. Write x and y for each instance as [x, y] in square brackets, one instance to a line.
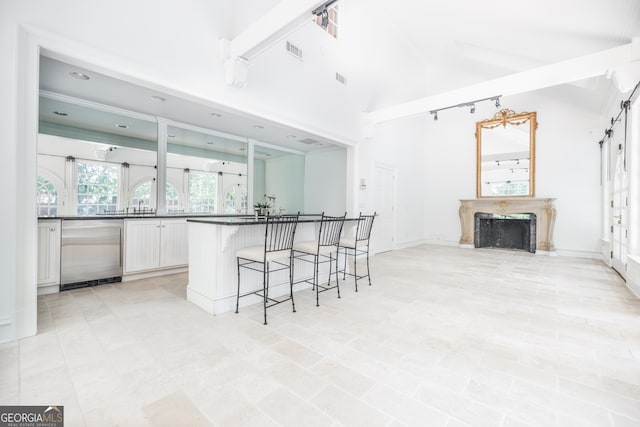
[505, 231]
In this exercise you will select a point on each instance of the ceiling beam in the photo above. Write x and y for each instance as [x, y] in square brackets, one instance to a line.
[279, 21]
[596, 64]
[283, 18]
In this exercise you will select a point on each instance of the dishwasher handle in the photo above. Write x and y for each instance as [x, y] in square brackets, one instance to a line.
[121, 249]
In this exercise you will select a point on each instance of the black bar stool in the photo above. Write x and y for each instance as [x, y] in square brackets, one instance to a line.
[278, 243]
[358, 245]
[322, 248]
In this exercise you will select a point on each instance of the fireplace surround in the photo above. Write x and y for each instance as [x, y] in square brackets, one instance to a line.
[543, 209]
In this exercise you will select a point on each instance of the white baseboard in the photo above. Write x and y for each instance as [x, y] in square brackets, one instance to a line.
[578, 254]
[48, 289]
[154, 273]
[7, 332]
[633, 275]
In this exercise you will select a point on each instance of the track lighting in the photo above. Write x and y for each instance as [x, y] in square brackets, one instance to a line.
[470, 104]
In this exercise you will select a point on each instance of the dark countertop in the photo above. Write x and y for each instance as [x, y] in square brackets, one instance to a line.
[140, 216]
[251, 220]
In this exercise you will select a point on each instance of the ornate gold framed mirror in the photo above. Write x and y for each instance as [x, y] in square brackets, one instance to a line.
[506, 155]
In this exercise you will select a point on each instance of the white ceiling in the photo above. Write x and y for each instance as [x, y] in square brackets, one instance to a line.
[464, 42]
[396, 52]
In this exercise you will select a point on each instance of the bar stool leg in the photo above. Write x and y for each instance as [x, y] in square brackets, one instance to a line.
[337, 282]
[238, 294]
[265, 277]
[344, 272]
[355, 268]
[291, 282]
[315, 281]
[368, 271]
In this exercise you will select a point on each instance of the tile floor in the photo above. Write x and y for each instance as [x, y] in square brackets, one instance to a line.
[445, 337]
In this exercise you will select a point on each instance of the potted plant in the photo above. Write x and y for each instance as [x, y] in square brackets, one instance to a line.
[261, 208]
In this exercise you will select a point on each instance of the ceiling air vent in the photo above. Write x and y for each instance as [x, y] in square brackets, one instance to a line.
[308, 141]
[342, 79]
[294, 50]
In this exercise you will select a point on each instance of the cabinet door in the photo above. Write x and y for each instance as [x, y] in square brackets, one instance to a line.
[174, 244]
[142, 245]
[48, 252]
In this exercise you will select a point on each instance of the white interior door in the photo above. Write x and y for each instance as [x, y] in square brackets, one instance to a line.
[619, 203]
[385, 201]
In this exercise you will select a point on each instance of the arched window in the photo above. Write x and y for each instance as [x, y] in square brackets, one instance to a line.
[236, 200]
[141, 196]
[46, 198]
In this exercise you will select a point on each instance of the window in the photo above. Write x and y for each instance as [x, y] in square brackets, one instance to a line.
[234, 204]
[141, 197]
[202, 192]
[46, 198]
[97, 190]
[173, 202]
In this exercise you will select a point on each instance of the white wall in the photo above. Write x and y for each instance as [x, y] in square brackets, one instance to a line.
[567, 168]
[325, 181]
[400, 145]
[284, 178]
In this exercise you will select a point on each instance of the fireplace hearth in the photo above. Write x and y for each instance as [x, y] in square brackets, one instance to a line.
[505, 231]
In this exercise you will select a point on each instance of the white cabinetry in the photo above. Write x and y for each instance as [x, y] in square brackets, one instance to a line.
[48, 256]
[152, 244]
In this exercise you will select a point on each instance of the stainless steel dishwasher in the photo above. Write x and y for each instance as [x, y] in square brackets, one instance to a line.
[91, 252]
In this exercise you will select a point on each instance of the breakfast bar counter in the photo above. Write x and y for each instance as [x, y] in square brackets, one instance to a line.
[213, 243]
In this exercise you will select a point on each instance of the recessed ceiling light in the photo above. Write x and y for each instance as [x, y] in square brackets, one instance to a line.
[215, 114]
[157, 98]
[60, 113]
[291, 136]
[210, 142]
[171, 136]
[268, 155]
[78, 75]
[122, 126]
[242, 149]
[258, 127]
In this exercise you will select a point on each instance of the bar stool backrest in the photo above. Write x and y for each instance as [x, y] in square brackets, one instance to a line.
[280, 232]
[365, 224]
[330, 230]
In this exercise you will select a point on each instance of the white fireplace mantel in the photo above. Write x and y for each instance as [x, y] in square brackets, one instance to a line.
[543, 208]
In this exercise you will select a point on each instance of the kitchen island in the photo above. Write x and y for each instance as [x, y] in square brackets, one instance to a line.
[213, 275]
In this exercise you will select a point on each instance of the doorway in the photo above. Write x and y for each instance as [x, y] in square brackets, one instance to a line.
[619, 205]
[385, 207]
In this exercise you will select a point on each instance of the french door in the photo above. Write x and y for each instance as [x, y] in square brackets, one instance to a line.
[619, 205]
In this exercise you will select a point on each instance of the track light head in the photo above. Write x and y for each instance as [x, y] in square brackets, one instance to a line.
[497, 102]
[325, 18]
[473, 108]
[435, 116]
